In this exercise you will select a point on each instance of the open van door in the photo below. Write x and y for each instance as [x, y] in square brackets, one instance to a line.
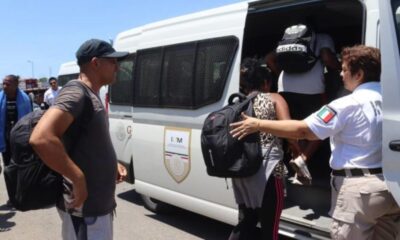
[390, 78]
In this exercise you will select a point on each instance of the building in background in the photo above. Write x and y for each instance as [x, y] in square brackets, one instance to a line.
[34, 88]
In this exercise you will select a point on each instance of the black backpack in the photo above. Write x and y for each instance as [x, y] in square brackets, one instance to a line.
[296, 51]
[224, 155]
[30, 183]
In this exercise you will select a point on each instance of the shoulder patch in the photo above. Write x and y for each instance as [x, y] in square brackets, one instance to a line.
[326, 114]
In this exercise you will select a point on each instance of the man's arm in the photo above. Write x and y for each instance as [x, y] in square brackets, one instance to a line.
[46, 141]
[329, 59]
[292, 129]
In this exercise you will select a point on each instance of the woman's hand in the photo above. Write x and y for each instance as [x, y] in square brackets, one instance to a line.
[245, 127]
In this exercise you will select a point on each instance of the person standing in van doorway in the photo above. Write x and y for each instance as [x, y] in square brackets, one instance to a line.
[260, 196]
[362, 206]
[14, 104]
[304, 93]
[51, 93]
[90, 169]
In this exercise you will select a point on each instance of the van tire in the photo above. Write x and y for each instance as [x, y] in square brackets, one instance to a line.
[155, 205]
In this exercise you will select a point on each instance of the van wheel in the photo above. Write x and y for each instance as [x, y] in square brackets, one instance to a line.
[156, 206]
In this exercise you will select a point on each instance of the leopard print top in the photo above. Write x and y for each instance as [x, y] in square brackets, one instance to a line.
[264, 109]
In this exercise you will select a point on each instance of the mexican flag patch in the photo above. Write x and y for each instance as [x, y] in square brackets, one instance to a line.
[326, 114]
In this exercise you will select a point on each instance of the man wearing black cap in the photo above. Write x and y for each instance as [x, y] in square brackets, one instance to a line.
[87, 161]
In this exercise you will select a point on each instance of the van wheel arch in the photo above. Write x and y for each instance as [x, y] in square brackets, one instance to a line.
[156, 206]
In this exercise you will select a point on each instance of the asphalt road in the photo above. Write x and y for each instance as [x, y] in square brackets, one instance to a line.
[132, 221]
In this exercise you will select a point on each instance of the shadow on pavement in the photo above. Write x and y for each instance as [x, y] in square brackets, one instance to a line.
[5, 223]
[195, 224]
[131, 196]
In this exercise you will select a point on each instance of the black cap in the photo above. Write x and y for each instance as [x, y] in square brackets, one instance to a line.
[97, 48]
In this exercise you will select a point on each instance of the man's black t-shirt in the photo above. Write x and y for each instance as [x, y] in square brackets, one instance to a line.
[11, 116]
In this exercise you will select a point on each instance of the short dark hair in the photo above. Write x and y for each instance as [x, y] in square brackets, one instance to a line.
[367, 59]
[13, 77]
[254, 73]
[51, 79]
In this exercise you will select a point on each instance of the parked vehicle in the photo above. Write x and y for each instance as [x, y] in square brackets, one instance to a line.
[68, 71]
[181, 69]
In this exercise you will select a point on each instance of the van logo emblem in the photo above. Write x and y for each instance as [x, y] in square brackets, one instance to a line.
[177, 152]
[120, 132]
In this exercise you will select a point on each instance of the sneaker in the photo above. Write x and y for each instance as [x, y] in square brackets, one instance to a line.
[299, 180]
[302, 175]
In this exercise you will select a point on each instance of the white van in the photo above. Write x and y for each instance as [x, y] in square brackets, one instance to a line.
[181, 69]
[70, 71]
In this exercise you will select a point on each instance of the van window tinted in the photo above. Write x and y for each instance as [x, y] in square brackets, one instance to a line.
[121, 91]
[63, 79]
[214, 61]
[177, 75]
[396, 9]
[147, 84]
[188, 75]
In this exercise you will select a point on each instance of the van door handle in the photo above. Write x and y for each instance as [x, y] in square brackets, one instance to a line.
[395, 145]
[127, 116]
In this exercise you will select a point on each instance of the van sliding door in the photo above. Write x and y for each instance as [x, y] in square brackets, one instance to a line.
[390, 78]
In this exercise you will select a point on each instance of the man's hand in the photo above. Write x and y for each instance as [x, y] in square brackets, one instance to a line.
[121, 173]
[79, 192]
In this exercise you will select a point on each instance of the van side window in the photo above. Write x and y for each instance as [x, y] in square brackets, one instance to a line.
[121, 91]
[63, 79]
[147, 83]
[177, 75]
[214, 61]
[187, 75]
[396, 9]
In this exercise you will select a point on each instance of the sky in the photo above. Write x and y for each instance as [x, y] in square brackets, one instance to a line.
[38, 36]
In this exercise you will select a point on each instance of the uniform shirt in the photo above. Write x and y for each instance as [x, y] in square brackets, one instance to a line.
[50, 95]
[354, 125]
[311, 82]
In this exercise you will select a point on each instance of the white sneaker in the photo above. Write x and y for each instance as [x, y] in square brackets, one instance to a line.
[302, 175]
[298, 180]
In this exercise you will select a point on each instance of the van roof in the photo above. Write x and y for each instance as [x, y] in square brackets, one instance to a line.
[126, 40]
[68, 68]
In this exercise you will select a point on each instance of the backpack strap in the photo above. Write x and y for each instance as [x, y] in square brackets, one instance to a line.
[314, 47]
[270, 148]
[253, 94]
[232, 98]
[241, 97]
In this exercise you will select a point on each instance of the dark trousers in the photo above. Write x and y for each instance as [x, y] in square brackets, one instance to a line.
[6, 157]
[268, 215]
[6, 161]
[302, 105]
